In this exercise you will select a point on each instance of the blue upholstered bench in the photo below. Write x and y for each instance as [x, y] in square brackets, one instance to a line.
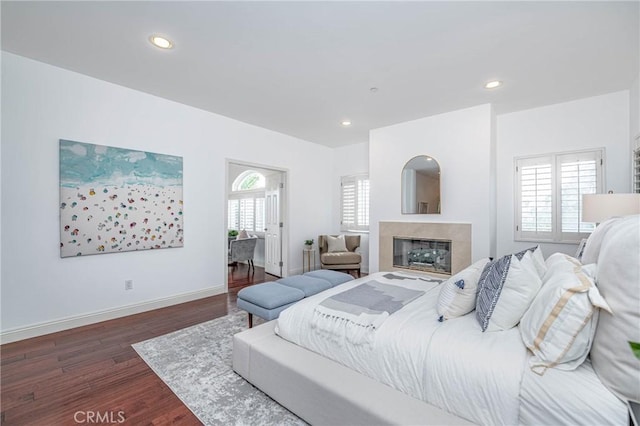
[267, 300]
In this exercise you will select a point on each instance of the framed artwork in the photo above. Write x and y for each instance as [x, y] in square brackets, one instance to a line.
[114, 200]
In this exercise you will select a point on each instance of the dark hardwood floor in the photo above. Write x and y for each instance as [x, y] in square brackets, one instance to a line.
[92, 373]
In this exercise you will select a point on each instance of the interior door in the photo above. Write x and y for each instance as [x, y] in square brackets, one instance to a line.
[273, 223]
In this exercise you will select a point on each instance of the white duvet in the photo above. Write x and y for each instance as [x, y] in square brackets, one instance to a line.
[451, 364]
[482, 377]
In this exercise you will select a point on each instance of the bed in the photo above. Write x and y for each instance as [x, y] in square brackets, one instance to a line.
[418, 370]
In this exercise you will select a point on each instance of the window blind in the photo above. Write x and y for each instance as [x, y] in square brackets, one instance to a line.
[636, 170]
[536, 198]
[549, 190]
[354, 203]
[246, 213]
[577, 177]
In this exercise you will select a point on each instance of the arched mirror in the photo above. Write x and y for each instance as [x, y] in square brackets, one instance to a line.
[421, 186]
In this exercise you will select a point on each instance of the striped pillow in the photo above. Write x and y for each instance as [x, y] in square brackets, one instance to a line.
[506, 288]
[559, 326]
[489, 287]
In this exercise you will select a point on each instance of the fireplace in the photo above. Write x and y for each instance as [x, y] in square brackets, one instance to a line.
[422, 254]
[403, 234]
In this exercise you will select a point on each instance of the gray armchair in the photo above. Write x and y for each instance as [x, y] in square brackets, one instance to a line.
[343, 261]
[242, 250]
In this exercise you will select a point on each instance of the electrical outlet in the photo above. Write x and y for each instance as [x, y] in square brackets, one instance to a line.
[128, 284]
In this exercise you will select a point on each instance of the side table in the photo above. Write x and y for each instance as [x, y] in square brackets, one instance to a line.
[308, 256]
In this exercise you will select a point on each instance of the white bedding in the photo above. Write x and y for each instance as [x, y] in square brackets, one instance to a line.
[570, 398]
[481, 377]
[464, 378]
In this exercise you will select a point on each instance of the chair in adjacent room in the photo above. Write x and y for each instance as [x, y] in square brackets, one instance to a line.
[346, 260]
[242, 250]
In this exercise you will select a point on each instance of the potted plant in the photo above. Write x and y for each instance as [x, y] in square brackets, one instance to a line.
[308, 244]
[233, 233]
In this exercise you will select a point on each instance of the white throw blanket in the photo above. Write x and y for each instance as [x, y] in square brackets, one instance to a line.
[356, 313]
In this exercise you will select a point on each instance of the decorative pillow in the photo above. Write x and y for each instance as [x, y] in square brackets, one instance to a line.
[506, 290]
[538, 261]
[487, 269]
[458, 293]
[618, 279]
[559, 325]
[336, 244]
[559, 262]
[537, 257]
[242, 235]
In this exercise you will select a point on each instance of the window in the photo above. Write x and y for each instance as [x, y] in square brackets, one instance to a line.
[248, 180]
[549, 191]
[355, 203]
[246, 202]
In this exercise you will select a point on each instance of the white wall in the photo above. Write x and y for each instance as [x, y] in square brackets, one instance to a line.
[601, 121]
[42, 104]
[634, 109]
[349, 160]
[461, 142]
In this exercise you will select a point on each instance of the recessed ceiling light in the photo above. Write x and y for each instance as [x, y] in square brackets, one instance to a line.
[346, 123]
[493, 84]
[161, 42]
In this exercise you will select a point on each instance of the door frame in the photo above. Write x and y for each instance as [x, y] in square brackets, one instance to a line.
[284, 211]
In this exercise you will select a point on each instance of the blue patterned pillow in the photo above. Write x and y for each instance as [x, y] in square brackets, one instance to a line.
[521, 254]
[490, 286]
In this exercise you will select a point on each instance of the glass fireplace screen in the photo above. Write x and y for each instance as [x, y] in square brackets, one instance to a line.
[422, 254]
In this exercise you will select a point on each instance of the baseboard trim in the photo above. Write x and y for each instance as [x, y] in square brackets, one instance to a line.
[49, 327]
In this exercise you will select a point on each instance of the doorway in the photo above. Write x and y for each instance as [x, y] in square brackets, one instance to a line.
[256, 202]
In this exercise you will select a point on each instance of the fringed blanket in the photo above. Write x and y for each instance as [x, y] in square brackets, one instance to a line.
[356, 313]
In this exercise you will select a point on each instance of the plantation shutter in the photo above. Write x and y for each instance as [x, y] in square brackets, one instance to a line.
[535, 197]
[246, 214]
[363, 203]
[233, 212]
[354, 203]
[636, 168]
[579, 175]
[549, 190]
[259, 215]
[348, 203]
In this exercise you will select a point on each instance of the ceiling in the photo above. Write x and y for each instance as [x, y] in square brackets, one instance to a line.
[300, 68]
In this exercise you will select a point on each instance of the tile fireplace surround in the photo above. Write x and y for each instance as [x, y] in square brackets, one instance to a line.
[458, 233]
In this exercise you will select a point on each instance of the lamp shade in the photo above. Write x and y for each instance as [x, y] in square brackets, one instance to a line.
[600, 207]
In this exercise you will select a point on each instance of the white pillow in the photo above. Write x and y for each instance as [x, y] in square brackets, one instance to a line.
[506, 288]
[458, 293]
[242, 235]
[538, 261]
[559, 326]
[557, 263]
[336, 244]
[520, 288]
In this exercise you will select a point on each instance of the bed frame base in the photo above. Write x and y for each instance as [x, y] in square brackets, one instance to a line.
[322, 391]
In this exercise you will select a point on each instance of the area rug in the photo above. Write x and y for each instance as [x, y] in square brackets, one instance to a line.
[196, 364]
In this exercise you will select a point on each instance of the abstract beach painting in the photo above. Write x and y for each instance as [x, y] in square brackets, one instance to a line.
[115, 200]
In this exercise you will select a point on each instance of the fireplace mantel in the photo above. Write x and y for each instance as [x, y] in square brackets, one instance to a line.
[458, 233]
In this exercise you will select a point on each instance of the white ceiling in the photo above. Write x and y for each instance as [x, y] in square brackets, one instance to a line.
[301, 68]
